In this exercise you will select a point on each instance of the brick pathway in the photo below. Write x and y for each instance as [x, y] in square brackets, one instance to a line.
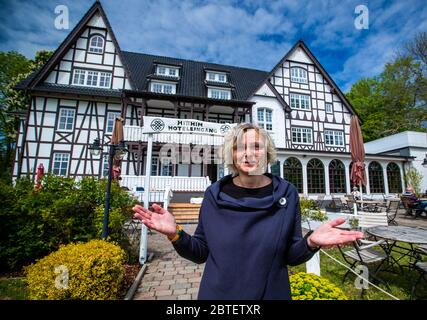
[169, 276]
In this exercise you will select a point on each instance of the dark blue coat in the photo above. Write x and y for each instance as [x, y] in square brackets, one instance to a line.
[247, 243]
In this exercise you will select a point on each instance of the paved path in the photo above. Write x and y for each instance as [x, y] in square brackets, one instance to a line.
[170, 277]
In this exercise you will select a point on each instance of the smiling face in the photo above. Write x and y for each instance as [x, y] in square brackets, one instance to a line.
[249, 153]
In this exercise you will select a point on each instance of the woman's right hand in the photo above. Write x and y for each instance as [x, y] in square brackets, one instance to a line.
[160, 220]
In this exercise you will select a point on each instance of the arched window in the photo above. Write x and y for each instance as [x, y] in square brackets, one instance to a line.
[292, 172]
[336, 176]
[315, 176]
[394, 179]
[265, 118]
[96, 44]
[376, 178]
[299, 75]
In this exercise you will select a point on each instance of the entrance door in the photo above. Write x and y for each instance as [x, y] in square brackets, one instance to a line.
[212, 169]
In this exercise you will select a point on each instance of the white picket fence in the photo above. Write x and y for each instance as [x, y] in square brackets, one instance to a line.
[159, 183]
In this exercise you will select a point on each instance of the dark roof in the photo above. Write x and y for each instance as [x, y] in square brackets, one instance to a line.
[90, 91]
[192, 75]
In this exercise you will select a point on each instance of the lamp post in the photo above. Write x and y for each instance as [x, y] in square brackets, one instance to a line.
[114, 152]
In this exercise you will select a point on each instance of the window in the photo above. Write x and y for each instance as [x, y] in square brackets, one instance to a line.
[329, 108]
[265, 118]
[393, 178]
[96, 44]
[92, 78]
[66, 119]
[302, 135]
[337, 176]
[111, 119]
[60, 163]
[218, 94]
[105, 165]
[167, 71]
[216, 76]
[376, 178]
[163, 87]
[334, 138]
[154, 166]
[166, 168]
[292, 172]
[299, 75]
[315, 176]
[79, 77]
[300, 101]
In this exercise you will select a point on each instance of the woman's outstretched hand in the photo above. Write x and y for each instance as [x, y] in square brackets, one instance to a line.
[328, 236]
[160, 220]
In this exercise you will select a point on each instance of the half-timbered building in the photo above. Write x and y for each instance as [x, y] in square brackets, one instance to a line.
[89, 81]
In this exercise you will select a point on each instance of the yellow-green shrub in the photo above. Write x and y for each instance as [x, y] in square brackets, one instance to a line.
[308, 286]
[95, 271]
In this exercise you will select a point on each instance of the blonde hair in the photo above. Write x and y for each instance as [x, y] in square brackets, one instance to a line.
[235, 135]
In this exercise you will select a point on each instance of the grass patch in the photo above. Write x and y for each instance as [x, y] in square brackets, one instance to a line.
[13, 289]
[400, 285]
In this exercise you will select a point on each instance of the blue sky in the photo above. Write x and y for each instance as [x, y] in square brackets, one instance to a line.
[253, 33]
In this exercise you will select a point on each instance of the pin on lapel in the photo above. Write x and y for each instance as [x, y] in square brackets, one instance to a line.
[282, 201]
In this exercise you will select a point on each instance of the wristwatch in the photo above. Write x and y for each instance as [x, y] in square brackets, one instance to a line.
[177, 235]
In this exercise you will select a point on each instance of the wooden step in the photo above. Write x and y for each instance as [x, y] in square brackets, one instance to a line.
[185, 212]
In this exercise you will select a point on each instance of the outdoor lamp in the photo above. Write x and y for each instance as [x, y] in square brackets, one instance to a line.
[425, 162]
[95, 148]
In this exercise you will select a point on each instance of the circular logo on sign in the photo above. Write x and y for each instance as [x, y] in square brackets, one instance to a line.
[157, 125]
[224, 128]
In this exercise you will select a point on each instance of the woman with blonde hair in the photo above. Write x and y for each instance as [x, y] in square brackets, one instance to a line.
[249, 227]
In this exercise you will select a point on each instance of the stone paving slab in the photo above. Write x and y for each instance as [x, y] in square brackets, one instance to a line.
[168, 275]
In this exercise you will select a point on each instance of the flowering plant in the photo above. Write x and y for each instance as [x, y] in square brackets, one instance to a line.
[308, 286]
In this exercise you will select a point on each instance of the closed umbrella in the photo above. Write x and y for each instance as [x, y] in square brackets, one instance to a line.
[116, 139]
[357, 150]
[40, 175]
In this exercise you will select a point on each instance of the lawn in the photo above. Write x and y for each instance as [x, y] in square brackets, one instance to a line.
[400, 285]
[13, 289]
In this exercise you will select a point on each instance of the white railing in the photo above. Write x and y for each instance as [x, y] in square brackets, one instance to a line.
[134, 133]
[159, 183]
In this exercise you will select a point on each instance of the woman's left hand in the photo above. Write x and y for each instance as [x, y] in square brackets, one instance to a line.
[328, 236]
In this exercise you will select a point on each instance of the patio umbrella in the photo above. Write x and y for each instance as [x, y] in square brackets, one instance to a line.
[357, 150]
[117, 138]
[40, 175]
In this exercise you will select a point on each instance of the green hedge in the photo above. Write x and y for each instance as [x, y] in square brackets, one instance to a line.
[34, 223]
[308, 286]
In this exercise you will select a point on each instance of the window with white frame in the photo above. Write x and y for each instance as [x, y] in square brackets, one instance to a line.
[299, 75]
[219, 94]
[216, 76]
[167, 71]
[66, 119]
[163, 87]
[154, 166]
[302, 135]
[334, 138]
[111, 119]
[265, 118]
[166, 168]
[329, 108]
[92, 78]
[105, 165]
[300, 101]
[60, 163]
[96, 44]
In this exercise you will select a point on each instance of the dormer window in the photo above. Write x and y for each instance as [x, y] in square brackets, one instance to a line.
[216, 93]
[299, 75]
[96, 44]
[163, 87]
[216, 76]
[167, 71]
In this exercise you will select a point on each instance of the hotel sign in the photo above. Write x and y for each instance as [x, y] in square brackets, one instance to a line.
[171, 125]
